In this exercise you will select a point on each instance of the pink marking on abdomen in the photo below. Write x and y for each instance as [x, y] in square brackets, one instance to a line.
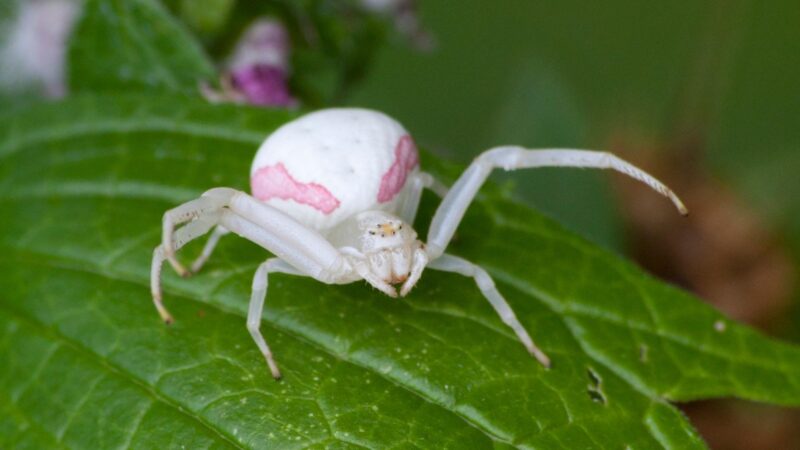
[405, 160]
[275, 182]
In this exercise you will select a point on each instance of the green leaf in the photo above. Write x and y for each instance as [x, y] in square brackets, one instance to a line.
[208, 17]
[134, 44]
[87, 362]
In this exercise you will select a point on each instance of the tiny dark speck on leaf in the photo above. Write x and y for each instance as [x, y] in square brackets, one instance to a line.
[597, 396]
[593, 378]
[595, 389]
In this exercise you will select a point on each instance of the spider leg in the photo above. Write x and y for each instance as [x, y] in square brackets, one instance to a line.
[455, 203]
[300, 246]
[178, 239]
[211, 243]
[434, 184]
[257, 298]
[418, 182]
[300, 250]
[209, 202]
[450, 263]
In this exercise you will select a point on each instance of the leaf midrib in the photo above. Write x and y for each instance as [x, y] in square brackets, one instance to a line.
[159, 124]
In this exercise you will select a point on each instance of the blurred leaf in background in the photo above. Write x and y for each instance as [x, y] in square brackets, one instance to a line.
[136, 35]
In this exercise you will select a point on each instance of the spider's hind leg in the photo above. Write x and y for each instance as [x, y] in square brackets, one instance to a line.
[202, 214]
[211, 202]
[178, 239]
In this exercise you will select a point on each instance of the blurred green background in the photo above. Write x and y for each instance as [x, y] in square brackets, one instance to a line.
[576, 73]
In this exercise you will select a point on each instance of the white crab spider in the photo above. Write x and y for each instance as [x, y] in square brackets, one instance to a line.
[335, 193]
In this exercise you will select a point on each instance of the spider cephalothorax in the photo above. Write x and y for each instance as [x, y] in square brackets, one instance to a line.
[392, 250]
[335, 194]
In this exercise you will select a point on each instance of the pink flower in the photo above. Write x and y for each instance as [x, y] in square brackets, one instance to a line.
[258, 71]
[263, 85]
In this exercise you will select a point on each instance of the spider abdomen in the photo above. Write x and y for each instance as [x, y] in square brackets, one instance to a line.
[329, 165]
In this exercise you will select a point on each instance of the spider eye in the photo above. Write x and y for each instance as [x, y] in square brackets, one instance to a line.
[372, 232]
[400, 227]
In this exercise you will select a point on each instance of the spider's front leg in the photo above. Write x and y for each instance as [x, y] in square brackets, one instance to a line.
[458, 199]
[416, 184]
[455, 204]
